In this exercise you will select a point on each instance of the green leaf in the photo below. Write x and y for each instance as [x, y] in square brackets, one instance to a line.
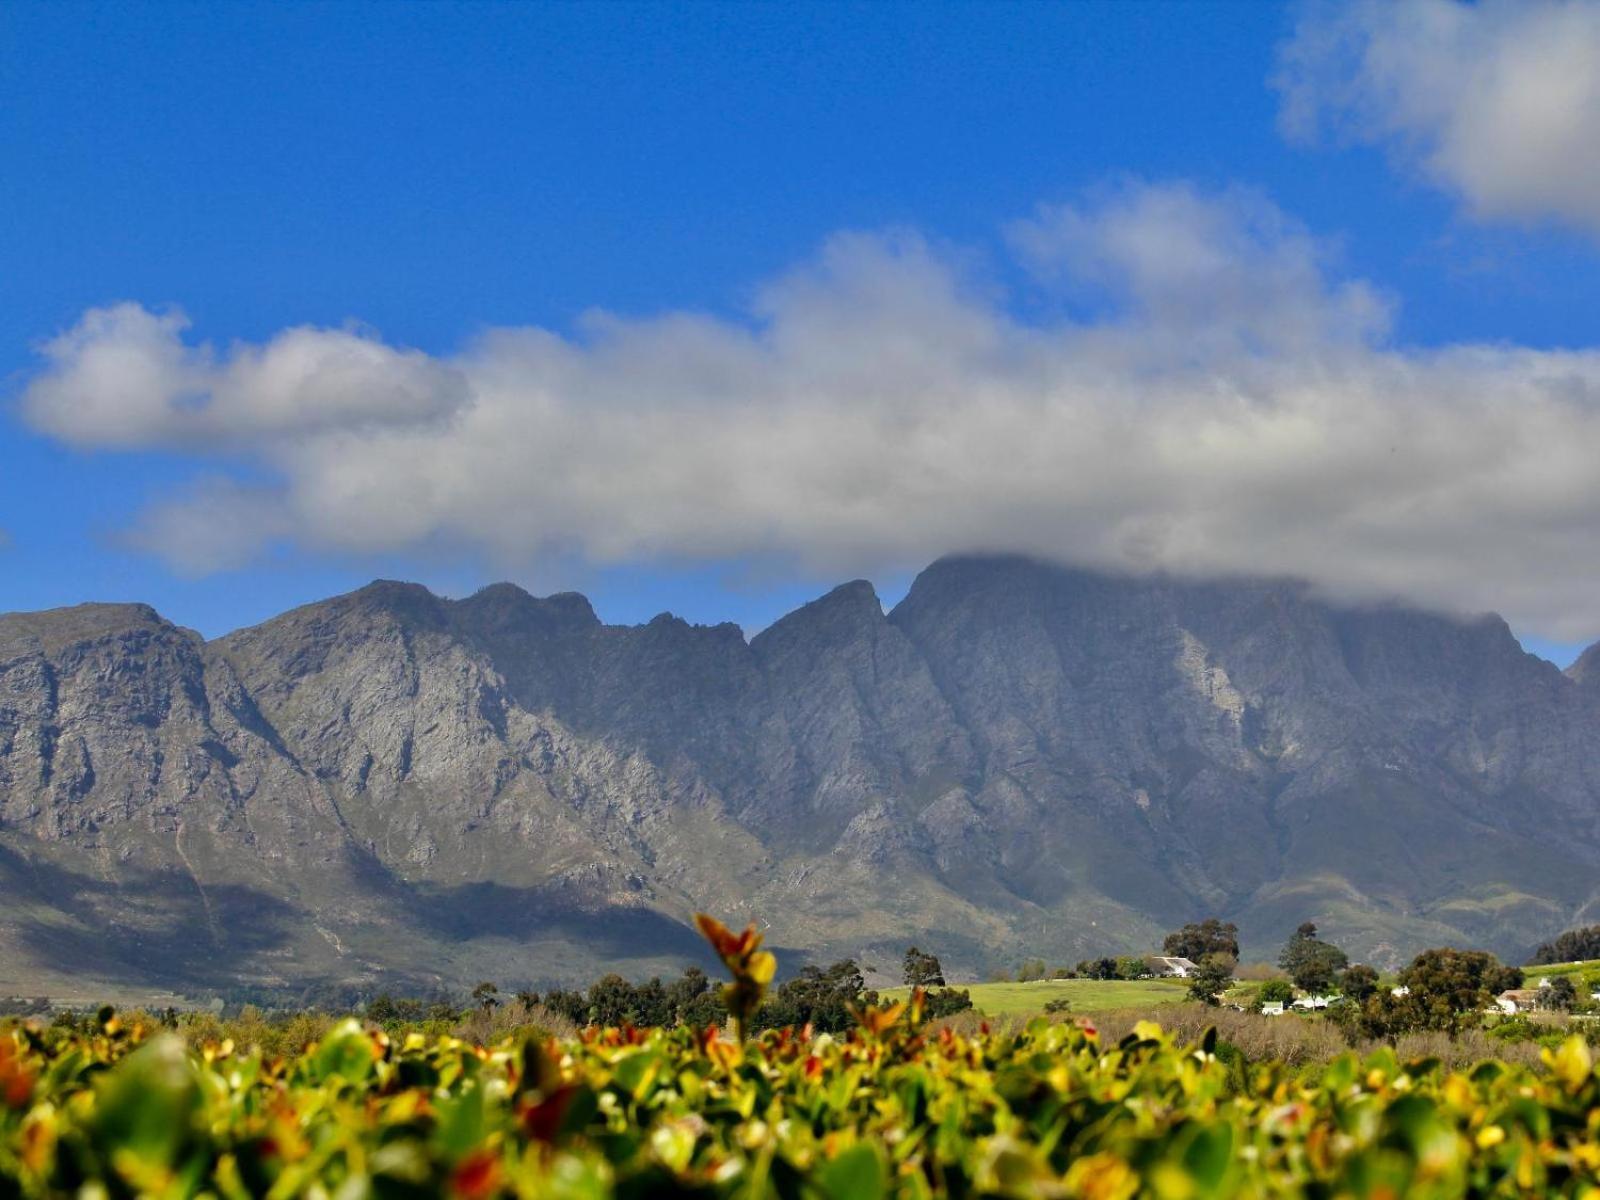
[636, 1074]
[346, 1052]
[858, 1173]
[147, 1103]
[1208, 1154]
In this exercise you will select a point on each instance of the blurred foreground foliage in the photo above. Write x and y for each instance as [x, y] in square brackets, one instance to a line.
[894, 1106]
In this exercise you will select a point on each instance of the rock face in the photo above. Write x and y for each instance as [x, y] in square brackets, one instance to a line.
[389, 788]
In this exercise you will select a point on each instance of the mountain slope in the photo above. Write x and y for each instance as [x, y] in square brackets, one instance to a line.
[393, 787]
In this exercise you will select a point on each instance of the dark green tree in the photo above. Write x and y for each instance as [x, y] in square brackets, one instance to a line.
[1358, 983]
[923, 970]
[1274, 991]
[1446, 989]
[1560, 996]
[1311, 962]
[821, 998]
[946, 1002]
[1131, 966]
[486, 996]
[1214, 974]
[1575, 945]
[1031, 969]
[1200, 938]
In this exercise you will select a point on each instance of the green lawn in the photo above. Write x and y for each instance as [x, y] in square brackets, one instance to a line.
[1085, 995]
[1576, 970]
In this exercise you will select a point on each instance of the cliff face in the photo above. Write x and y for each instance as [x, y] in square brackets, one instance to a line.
[1019, 759]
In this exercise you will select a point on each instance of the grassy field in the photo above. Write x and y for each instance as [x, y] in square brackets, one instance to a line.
[1550, 970]
[1085, 995]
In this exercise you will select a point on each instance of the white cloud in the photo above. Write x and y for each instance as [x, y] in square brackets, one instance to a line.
[1237, 410]
[1498, 102]
[124, 377]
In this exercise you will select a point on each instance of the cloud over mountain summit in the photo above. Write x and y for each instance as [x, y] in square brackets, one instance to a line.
[1210, 396]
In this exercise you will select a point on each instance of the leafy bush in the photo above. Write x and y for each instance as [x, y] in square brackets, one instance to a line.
[885, 1109]
[1274, 991]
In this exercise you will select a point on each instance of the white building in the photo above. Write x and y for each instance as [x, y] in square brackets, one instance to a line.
[1172, 968]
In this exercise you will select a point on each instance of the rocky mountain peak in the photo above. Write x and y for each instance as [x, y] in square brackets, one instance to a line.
[50, 631]
[1586, 670]
[503, 609]
[406, 602]
[848, 611]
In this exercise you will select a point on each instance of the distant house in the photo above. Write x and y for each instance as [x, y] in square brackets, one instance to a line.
[1172, 968]
[1517, 1000]
[1400, 991]
[1272, 1009]
[1314, 1002]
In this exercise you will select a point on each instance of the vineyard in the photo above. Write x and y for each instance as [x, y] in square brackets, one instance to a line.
[892, 1108]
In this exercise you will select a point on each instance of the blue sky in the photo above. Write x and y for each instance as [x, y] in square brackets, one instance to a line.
[426, 173]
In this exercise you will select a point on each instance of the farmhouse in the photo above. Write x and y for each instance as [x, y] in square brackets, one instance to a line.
[1515, 1000]
[1311, 1002]
[1173, 968]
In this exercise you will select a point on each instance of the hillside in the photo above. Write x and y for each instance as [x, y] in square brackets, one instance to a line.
[391, 787]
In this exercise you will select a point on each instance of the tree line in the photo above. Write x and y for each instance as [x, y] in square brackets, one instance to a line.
[821, 997]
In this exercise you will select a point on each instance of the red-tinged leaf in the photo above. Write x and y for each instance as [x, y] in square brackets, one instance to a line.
[477, 1176]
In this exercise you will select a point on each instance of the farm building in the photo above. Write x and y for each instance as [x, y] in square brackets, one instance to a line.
[1173, 968]
[1516, 1000]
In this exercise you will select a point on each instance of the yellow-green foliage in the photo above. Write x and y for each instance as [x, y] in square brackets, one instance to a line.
[887, 1110]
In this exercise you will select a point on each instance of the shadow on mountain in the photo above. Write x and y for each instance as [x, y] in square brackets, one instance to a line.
[607, 930]
[152, 928]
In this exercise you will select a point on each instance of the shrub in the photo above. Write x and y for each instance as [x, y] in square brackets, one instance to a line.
[1274, 991]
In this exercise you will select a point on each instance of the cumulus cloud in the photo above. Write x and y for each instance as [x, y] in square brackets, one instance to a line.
[124, 377]
[1234, 406]
[1498, 102]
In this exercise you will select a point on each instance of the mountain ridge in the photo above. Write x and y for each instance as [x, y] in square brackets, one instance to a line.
[1018, 758]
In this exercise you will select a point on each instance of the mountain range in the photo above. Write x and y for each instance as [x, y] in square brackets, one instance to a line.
[393, 789]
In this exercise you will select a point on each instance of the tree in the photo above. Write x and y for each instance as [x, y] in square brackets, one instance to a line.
[1274, 991]
[1445, 988]
[1359, 982]
[819, 998]
[1575, 945]
[1200, 938]
[486, 996]
[1560, 995]
[1030, 970]
[1311, 962]
[1214, 974]
[1098, 968]
[693, 1001]
[945, 1002]
[923, 970]
[1131, 966]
